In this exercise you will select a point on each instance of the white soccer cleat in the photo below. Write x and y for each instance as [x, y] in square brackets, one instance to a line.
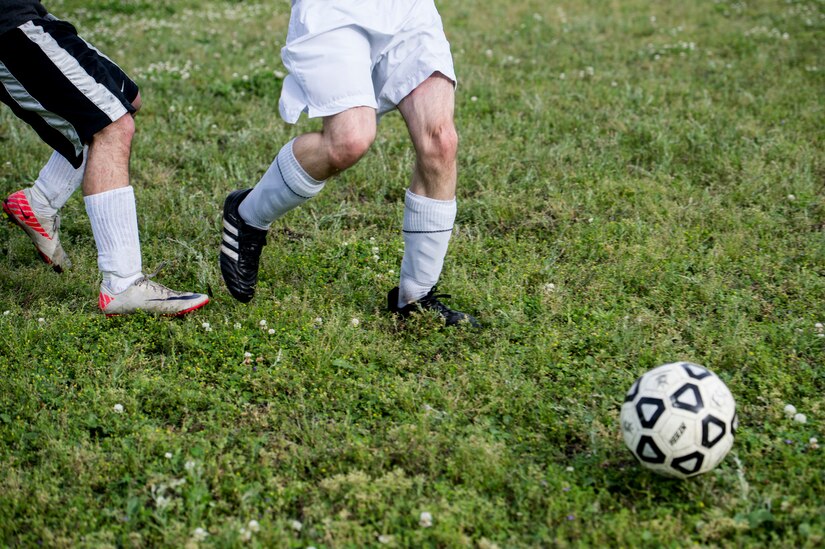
[42, 230]
[150, 297]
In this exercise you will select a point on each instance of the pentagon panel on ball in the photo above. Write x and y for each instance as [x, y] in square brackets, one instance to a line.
[678, 419]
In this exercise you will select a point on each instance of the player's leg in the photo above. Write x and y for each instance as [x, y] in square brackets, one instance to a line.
[297, 174]
[430, 205]
[329, 78]
[74, 96]
[36, 209]
[110, 204]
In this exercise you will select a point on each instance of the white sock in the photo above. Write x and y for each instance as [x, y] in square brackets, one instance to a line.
[114, 225]
[428, 225]
[284, 186]
[55, 184]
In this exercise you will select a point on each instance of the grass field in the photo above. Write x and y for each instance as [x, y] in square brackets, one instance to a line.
[639, 183]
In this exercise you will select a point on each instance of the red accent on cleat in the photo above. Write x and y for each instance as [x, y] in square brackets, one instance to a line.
[24, 213]
[104, 300]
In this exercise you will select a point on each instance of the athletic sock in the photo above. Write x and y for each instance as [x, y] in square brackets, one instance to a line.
[55, 184]
[114, 225]
[284, 186]
[428, 225]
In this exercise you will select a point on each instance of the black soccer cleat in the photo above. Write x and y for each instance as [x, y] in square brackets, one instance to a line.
[241, 247]
[430, 302]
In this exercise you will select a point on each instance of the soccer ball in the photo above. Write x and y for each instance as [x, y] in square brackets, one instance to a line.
[678, 419]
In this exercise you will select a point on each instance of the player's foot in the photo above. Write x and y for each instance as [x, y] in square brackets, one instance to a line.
[41, 229]
[240, 249]
[430, 302]
[150, 297]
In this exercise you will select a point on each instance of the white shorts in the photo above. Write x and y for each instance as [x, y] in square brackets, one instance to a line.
[360, 53]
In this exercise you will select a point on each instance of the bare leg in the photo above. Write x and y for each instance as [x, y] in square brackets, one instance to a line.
[301, 167]
[428, 112]
[107, 167]
[344, 139]
[429, 205]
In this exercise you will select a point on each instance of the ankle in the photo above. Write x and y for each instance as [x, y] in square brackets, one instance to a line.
[115, 284]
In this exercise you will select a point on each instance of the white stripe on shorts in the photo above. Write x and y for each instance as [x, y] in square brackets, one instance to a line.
[19, 93]
[97, 93]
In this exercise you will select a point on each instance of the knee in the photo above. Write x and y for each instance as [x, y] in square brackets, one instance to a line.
[119, 132]
[439, 145]
[346, 150]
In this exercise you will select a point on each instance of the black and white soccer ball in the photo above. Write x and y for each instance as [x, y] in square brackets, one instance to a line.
[678, 419]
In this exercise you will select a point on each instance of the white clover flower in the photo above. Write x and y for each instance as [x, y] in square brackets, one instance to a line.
[41, 320]
[237, 325]
[384, 539]
[488, 53]
[355, 321]
[800, 418]
[206, 325]
[474, 99]
[168, 455]
[318, 320]
[118, 408]
[296, 525]
[425, 520]
[200, 534]
[246, 535]
[162, 502]
[791, 197]
[562, 76]
[262, 323]
[375, 249]
[819, 326]
[549, 288]
[790, 410]
[254, 526]
[247, 355]
[569, 469]
[6, 313]
[271, 331]
[813, 440]
[189, 466]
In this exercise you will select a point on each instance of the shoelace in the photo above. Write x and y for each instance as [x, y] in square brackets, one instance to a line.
[147, 278]
[159, 268]
[432, 300]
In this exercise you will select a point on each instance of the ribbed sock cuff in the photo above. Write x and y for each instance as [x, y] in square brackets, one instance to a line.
[422, 214]
[295, 176]
[284, 186]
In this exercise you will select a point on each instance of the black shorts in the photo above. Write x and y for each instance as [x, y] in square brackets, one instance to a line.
[60, 85]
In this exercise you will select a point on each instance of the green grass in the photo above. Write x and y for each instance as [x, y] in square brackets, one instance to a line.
[662, 165]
